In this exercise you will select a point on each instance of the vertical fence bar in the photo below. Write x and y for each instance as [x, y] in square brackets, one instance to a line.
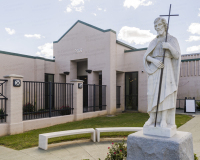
[50, 99]
[94, 98]
[72, 87]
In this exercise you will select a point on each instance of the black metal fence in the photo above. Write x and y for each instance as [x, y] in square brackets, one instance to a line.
[3, 100]
[180, 103]
[94, 97]
[47, 99]
[118, 97]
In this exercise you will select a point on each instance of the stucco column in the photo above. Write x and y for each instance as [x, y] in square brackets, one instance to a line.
[109, 79]
[78, 99]
[14, 104]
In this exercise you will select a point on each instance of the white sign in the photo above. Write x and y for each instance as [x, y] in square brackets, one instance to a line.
[190, 105]
[78, 50]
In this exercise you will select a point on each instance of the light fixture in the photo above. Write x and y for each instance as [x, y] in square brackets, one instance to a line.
[88, 71]
[67, 73]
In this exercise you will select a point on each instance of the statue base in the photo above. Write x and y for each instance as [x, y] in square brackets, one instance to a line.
[144, 147]
[169, 131]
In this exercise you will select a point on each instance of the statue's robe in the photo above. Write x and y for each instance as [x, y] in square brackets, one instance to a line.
[170, 79]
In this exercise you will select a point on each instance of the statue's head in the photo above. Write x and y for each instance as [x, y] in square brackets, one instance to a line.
[160, 25]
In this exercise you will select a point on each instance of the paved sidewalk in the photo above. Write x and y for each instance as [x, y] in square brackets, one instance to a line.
[73, 150]
[193, 126]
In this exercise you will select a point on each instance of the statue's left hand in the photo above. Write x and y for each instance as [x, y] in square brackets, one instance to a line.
[166, 45]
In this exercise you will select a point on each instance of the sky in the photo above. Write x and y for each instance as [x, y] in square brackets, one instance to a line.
[30, 26]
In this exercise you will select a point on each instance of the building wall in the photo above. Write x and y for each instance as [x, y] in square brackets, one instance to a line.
[32, 69]
[96, 49]
[189, 82]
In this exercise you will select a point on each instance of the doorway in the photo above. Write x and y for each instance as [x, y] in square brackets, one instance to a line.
[131, 91]
[49, 78]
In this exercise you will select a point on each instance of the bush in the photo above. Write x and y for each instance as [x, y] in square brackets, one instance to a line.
[117, 151]
[198, 104]
[28, 108]
[195, 157]
[65, 110]
[1, 112]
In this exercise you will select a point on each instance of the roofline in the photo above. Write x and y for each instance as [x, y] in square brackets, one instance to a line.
[87, 24]
[124, 44]
[190, 54]
[187, 60]
[134, 50]
[26, 56]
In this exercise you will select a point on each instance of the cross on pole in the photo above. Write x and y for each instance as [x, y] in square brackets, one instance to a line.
[161, 74]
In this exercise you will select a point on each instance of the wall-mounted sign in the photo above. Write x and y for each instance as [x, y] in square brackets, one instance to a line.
[80, 85]
[79, 50]
[16, 82]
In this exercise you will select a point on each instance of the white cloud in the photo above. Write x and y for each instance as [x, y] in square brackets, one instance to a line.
[193, 48]
[10, 31]
[194, 28]
[136, 3]
[136, 35]
[76, 2]
[46, 50]
[99, 9]
[104, 10]
[193, 38]
[38, 36]
[199, 13]
[68, 9]
[75, 5]
[94, 14]
[79, 9]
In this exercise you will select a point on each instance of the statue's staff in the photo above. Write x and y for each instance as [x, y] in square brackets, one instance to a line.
[161, 74]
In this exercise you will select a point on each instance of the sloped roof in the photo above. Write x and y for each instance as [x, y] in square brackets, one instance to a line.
[99, 29]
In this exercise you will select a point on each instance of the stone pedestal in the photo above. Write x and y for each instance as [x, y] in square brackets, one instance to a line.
[144, 147]
[169, 131]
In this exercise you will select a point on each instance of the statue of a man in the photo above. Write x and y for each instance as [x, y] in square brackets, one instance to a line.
[153, 63]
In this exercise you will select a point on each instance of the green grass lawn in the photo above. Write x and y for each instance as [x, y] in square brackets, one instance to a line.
[30, 138]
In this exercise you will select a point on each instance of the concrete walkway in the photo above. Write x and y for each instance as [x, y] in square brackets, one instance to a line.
[73, 150]
[193, 126]
[86, 149]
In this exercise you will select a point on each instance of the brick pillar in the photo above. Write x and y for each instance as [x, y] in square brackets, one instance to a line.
[78, 99]
[14, 104]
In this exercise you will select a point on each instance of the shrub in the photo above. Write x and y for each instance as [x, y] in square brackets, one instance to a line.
[117, 151]
[65, 110]
[1, 112]
[198, 104]
[195, 157]
[28, 108]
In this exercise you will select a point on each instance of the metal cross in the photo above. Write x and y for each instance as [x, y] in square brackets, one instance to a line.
[161, 74]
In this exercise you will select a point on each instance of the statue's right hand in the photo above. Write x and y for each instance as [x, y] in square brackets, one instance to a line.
[158, 63]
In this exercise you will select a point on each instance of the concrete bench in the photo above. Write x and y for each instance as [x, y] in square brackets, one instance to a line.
[115, 129]
[43, 138]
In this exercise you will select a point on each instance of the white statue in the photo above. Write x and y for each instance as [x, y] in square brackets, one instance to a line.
[171, 68]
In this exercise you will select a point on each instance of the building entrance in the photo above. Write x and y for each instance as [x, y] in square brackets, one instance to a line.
[131, 91]
[85, 90]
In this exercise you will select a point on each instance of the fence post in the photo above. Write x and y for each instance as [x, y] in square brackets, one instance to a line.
[14, 103]
[94, 99]
[50, 98]
[78, 99]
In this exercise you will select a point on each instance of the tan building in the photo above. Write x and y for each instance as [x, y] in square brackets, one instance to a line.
[95, 55]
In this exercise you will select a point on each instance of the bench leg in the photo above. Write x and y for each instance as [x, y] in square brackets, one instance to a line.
[93, 136]
[98, 136]
[43, 142]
